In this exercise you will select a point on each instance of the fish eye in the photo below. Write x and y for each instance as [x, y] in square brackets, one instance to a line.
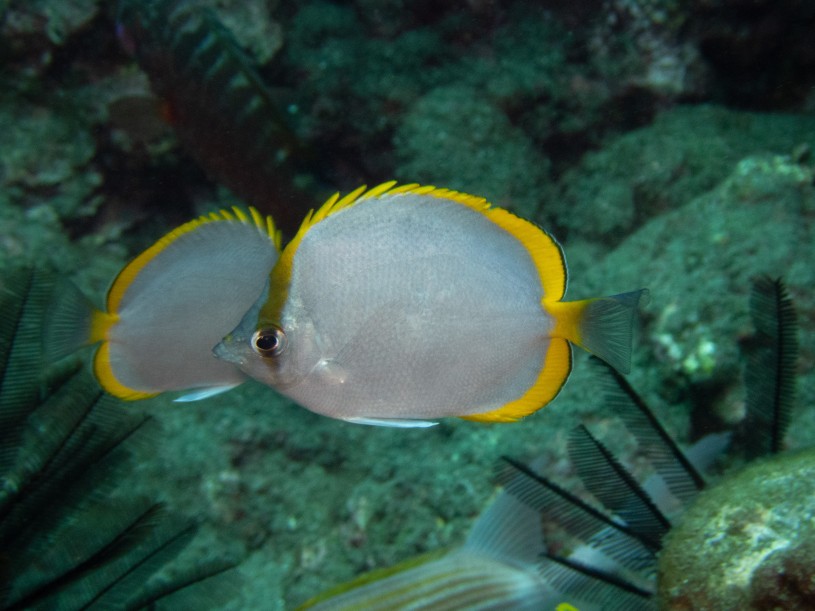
[269, 342]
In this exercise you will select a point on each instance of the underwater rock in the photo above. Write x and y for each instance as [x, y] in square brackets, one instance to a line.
[388, 18]
[58, 177]
[747, 542]
[784, 580]
[453, 136]
[750, 53]
[45, 21]
[27, 237]
[683, 154]
[760, 51]
[699, 259]
[50, 180]
[251, 23]
[352, 89]
[647, 38]
[62, 165]
[355, 87]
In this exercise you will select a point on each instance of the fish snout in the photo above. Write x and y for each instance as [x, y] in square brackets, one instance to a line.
[225, 352]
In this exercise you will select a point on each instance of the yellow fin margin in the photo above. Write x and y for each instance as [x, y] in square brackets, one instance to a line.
[133, 269]
[553, 375]
[101, 322]
[104, 375]
[544, 251]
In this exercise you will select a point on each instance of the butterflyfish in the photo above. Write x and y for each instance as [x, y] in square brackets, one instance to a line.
[400, 305]
[169, 306]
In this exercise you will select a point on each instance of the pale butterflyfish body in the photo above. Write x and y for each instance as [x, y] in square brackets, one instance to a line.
[400, 305]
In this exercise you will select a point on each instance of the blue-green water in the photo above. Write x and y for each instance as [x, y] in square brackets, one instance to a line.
[664, 144]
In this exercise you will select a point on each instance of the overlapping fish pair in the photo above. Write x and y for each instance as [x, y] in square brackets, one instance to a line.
[394, 306]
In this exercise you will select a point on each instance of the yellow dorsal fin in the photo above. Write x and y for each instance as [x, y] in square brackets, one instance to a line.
[265, 225]
[102, 322]
[542, 248]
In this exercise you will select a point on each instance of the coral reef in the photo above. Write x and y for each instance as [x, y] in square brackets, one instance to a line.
[44, 24]
[685, 152]
[698, 260]
[58, 179]
[484, 152]
[691, 204]
[747, 542]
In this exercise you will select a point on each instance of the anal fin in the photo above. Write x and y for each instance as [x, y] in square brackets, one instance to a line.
[203, 393]
[402, 423]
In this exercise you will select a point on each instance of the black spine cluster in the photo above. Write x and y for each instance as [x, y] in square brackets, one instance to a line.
[70, 538]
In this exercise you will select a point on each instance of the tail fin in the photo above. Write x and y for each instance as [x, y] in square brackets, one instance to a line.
[508, 530]
[68, 323]
[604, 326]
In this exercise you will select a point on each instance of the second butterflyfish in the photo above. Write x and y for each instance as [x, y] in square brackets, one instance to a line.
[400, 305]
[169, 306]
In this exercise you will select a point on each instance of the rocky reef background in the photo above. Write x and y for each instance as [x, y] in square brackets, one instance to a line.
[665, 143]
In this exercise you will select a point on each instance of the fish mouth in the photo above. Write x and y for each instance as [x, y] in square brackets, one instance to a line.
[222, 352]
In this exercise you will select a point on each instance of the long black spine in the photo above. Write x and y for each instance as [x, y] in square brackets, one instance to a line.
[620, 395]
[606, 478]
[770, 373]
